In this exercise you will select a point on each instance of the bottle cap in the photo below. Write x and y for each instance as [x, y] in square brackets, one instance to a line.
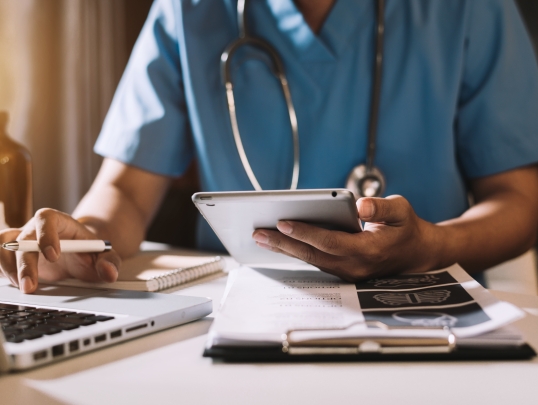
[3, 224]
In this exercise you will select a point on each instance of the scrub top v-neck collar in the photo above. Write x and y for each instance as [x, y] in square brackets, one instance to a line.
[342, 23]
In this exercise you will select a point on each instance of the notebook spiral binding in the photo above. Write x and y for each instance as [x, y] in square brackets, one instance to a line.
[187, 274]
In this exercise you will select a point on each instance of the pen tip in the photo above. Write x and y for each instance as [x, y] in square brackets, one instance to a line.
[10, 245]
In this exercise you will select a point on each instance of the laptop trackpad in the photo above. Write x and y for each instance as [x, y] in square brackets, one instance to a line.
[47, 294]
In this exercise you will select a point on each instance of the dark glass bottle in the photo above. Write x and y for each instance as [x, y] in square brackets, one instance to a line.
[15, 178]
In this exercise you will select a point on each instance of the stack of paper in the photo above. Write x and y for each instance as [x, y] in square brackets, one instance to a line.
[267, 306]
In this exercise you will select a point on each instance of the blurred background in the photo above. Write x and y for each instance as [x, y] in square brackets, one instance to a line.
[60, 62]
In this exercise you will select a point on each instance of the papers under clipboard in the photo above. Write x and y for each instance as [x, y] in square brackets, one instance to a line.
[297, 315]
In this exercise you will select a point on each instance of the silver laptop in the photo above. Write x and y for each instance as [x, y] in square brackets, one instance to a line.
[56, 322]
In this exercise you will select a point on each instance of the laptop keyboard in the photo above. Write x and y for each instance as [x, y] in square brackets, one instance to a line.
[23, 322]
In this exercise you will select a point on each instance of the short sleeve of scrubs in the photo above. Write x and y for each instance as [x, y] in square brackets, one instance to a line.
[497, 118]
[147, 124]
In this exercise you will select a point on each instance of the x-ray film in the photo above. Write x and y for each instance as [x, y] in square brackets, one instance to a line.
[446, 298]
[455, 317]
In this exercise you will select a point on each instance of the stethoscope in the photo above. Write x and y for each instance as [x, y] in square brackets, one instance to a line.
[365, 180]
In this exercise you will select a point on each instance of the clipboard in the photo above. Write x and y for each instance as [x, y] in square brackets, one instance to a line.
[275, 354]
[442, 345]
[454, 319]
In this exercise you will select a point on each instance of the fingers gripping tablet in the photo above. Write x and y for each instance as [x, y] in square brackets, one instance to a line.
[234, 216]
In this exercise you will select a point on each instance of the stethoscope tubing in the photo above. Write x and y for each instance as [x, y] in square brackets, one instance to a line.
[376, 92]
[278, 70]
[358, 176]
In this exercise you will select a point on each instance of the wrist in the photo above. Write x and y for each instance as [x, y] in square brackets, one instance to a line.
[440, 245]
[124, 246]
[95, 227]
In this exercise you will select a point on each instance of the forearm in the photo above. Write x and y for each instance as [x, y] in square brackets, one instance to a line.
[502, 225]
[113, 216]
[121, 203]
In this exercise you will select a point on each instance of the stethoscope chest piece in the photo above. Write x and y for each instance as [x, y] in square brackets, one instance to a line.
[366, 183]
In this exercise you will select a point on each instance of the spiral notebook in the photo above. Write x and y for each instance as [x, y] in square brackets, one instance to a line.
[156, 271]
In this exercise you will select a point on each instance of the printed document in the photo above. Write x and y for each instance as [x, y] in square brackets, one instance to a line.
[261, 306]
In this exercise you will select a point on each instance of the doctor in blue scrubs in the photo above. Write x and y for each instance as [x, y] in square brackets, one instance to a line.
[458, 117]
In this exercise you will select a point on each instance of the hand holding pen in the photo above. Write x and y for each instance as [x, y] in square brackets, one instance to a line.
[38, 251]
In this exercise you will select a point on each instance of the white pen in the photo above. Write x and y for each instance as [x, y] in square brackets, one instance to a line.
[66, 246]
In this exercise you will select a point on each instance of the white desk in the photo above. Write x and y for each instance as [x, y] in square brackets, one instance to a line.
[168, 367]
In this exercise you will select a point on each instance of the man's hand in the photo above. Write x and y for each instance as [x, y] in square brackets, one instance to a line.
[394, 239]
[48, 227]
[118, 207]
[499, 226]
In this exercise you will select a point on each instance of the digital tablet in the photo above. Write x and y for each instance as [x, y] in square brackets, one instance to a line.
[234, 216]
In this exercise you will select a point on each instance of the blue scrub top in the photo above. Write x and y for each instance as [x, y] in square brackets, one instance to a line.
[459, 97]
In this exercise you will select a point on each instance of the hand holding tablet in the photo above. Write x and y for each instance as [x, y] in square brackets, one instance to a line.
[234, 216]
[322, 228]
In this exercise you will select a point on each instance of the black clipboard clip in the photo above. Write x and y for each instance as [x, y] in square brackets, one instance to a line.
[373, 340]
